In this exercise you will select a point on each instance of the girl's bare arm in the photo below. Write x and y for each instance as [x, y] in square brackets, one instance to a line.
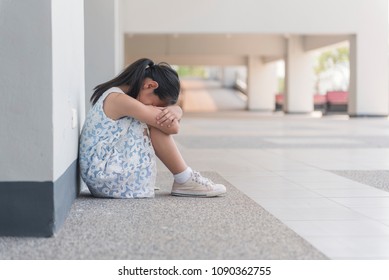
[118, 105]
[169, 114]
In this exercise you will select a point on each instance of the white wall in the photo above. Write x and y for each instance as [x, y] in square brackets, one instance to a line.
[26, 125]
[244, 16]
[68, 81]
[41, 80]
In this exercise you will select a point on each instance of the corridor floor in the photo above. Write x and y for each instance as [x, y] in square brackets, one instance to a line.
[325, 178]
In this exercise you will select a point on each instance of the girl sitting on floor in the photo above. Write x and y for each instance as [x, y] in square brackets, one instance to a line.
[131, 122]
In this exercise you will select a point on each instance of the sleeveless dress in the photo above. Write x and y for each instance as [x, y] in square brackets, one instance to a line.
[117, 159]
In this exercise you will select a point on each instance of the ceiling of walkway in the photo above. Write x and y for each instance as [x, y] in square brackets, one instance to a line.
[216, 49]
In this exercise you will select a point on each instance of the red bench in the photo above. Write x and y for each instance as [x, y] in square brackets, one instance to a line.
[337, 101]
[279, 101]
[320, 102]
[334, 101]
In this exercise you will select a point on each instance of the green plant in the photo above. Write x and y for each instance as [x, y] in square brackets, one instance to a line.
[192, 71]
[335, 60]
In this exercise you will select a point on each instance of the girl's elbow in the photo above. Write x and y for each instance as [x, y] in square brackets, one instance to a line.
[175, 129]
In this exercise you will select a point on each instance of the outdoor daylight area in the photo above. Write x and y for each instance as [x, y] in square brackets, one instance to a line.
[194, 139]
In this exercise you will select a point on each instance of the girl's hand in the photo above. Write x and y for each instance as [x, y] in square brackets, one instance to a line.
[169, 115]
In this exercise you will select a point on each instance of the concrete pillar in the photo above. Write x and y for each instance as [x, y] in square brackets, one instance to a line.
[104, 43]
[213, 73]
[42, 80]
[228, 77]
[352, 90]
[299, 80]
[261, 84]
[368, 90]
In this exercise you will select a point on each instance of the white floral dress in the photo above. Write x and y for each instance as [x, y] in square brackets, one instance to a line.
[117, 159]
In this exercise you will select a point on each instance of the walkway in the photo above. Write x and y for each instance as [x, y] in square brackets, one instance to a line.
[209, 96]
[325, 178]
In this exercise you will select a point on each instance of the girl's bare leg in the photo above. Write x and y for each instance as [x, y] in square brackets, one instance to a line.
[166, 150]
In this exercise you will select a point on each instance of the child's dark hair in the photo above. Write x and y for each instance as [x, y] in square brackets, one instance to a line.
[133, 76]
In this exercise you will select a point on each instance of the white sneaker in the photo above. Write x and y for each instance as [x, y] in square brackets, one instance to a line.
[198, 186]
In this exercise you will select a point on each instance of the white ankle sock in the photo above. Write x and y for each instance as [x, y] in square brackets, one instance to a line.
[184, 176]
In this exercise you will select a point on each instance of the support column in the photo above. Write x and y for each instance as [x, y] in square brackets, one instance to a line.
[369, 89]
[228, 76]
[261, 84]
[214, 73]
[41, 74]
[352, 89]
[299, 80]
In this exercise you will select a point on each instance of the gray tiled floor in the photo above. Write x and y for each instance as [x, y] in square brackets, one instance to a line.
[285, 164]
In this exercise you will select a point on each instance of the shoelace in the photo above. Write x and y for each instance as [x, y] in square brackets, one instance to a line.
[201, 180]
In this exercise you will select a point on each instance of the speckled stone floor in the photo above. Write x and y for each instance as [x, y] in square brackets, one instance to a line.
[166, 227]
[375, 178]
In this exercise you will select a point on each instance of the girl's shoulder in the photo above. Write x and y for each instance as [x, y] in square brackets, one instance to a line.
[106, 93]
[112, 100]
[112, 90]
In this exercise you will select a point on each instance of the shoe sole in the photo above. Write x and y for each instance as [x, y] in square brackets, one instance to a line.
[197, 195]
